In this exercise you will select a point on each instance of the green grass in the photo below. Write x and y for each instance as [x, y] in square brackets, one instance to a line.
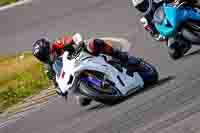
[20, 78]
[6, 2]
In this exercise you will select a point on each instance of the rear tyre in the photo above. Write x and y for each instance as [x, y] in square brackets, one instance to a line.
[155, 76]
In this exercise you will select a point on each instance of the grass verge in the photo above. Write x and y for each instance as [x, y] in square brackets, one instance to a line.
[21, 76]
[6, 2]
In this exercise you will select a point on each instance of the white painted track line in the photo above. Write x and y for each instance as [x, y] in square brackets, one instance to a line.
[21, 2]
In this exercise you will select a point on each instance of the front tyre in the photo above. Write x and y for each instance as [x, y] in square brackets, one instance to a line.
[177, 48]
[91, 93]
[175, 53]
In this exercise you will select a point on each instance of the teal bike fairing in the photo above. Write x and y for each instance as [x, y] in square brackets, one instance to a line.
[168, 18]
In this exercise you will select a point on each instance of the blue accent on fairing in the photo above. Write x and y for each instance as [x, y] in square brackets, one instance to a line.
[93, 81]
[97, 83]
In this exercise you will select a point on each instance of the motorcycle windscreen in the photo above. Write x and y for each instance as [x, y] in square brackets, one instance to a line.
[165, 20]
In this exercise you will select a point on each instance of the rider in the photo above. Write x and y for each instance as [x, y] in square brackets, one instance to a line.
[47, 52]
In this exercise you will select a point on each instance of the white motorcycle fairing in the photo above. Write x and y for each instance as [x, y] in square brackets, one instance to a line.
[84, 61]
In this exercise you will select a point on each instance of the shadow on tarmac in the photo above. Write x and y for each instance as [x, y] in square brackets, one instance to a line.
[160, 82]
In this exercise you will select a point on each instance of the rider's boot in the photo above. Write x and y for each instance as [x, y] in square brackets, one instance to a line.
[131, 63]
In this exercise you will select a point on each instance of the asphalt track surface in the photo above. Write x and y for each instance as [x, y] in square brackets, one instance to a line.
[172, 106]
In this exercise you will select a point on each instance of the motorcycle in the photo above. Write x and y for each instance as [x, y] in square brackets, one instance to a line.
[166, 18]
[96, 78]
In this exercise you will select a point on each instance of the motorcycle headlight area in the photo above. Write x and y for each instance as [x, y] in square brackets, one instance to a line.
[159, 15]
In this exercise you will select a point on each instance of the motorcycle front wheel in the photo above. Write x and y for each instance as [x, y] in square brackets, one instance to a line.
[91, 93]
[175, 53]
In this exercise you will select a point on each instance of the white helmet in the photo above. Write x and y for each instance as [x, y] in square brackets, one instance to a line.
[136, 2]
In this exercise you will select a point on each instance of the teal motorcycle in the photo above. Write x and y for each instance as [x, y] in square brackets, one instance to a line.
[180, 24]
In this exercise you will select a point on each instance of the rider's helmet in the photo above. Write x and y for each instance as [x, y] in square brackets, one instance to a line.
[144, 5]
[41, 50]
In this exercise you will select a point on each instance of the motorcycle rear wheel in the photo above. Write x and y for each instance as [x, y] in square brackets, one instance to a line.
[154, 75]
